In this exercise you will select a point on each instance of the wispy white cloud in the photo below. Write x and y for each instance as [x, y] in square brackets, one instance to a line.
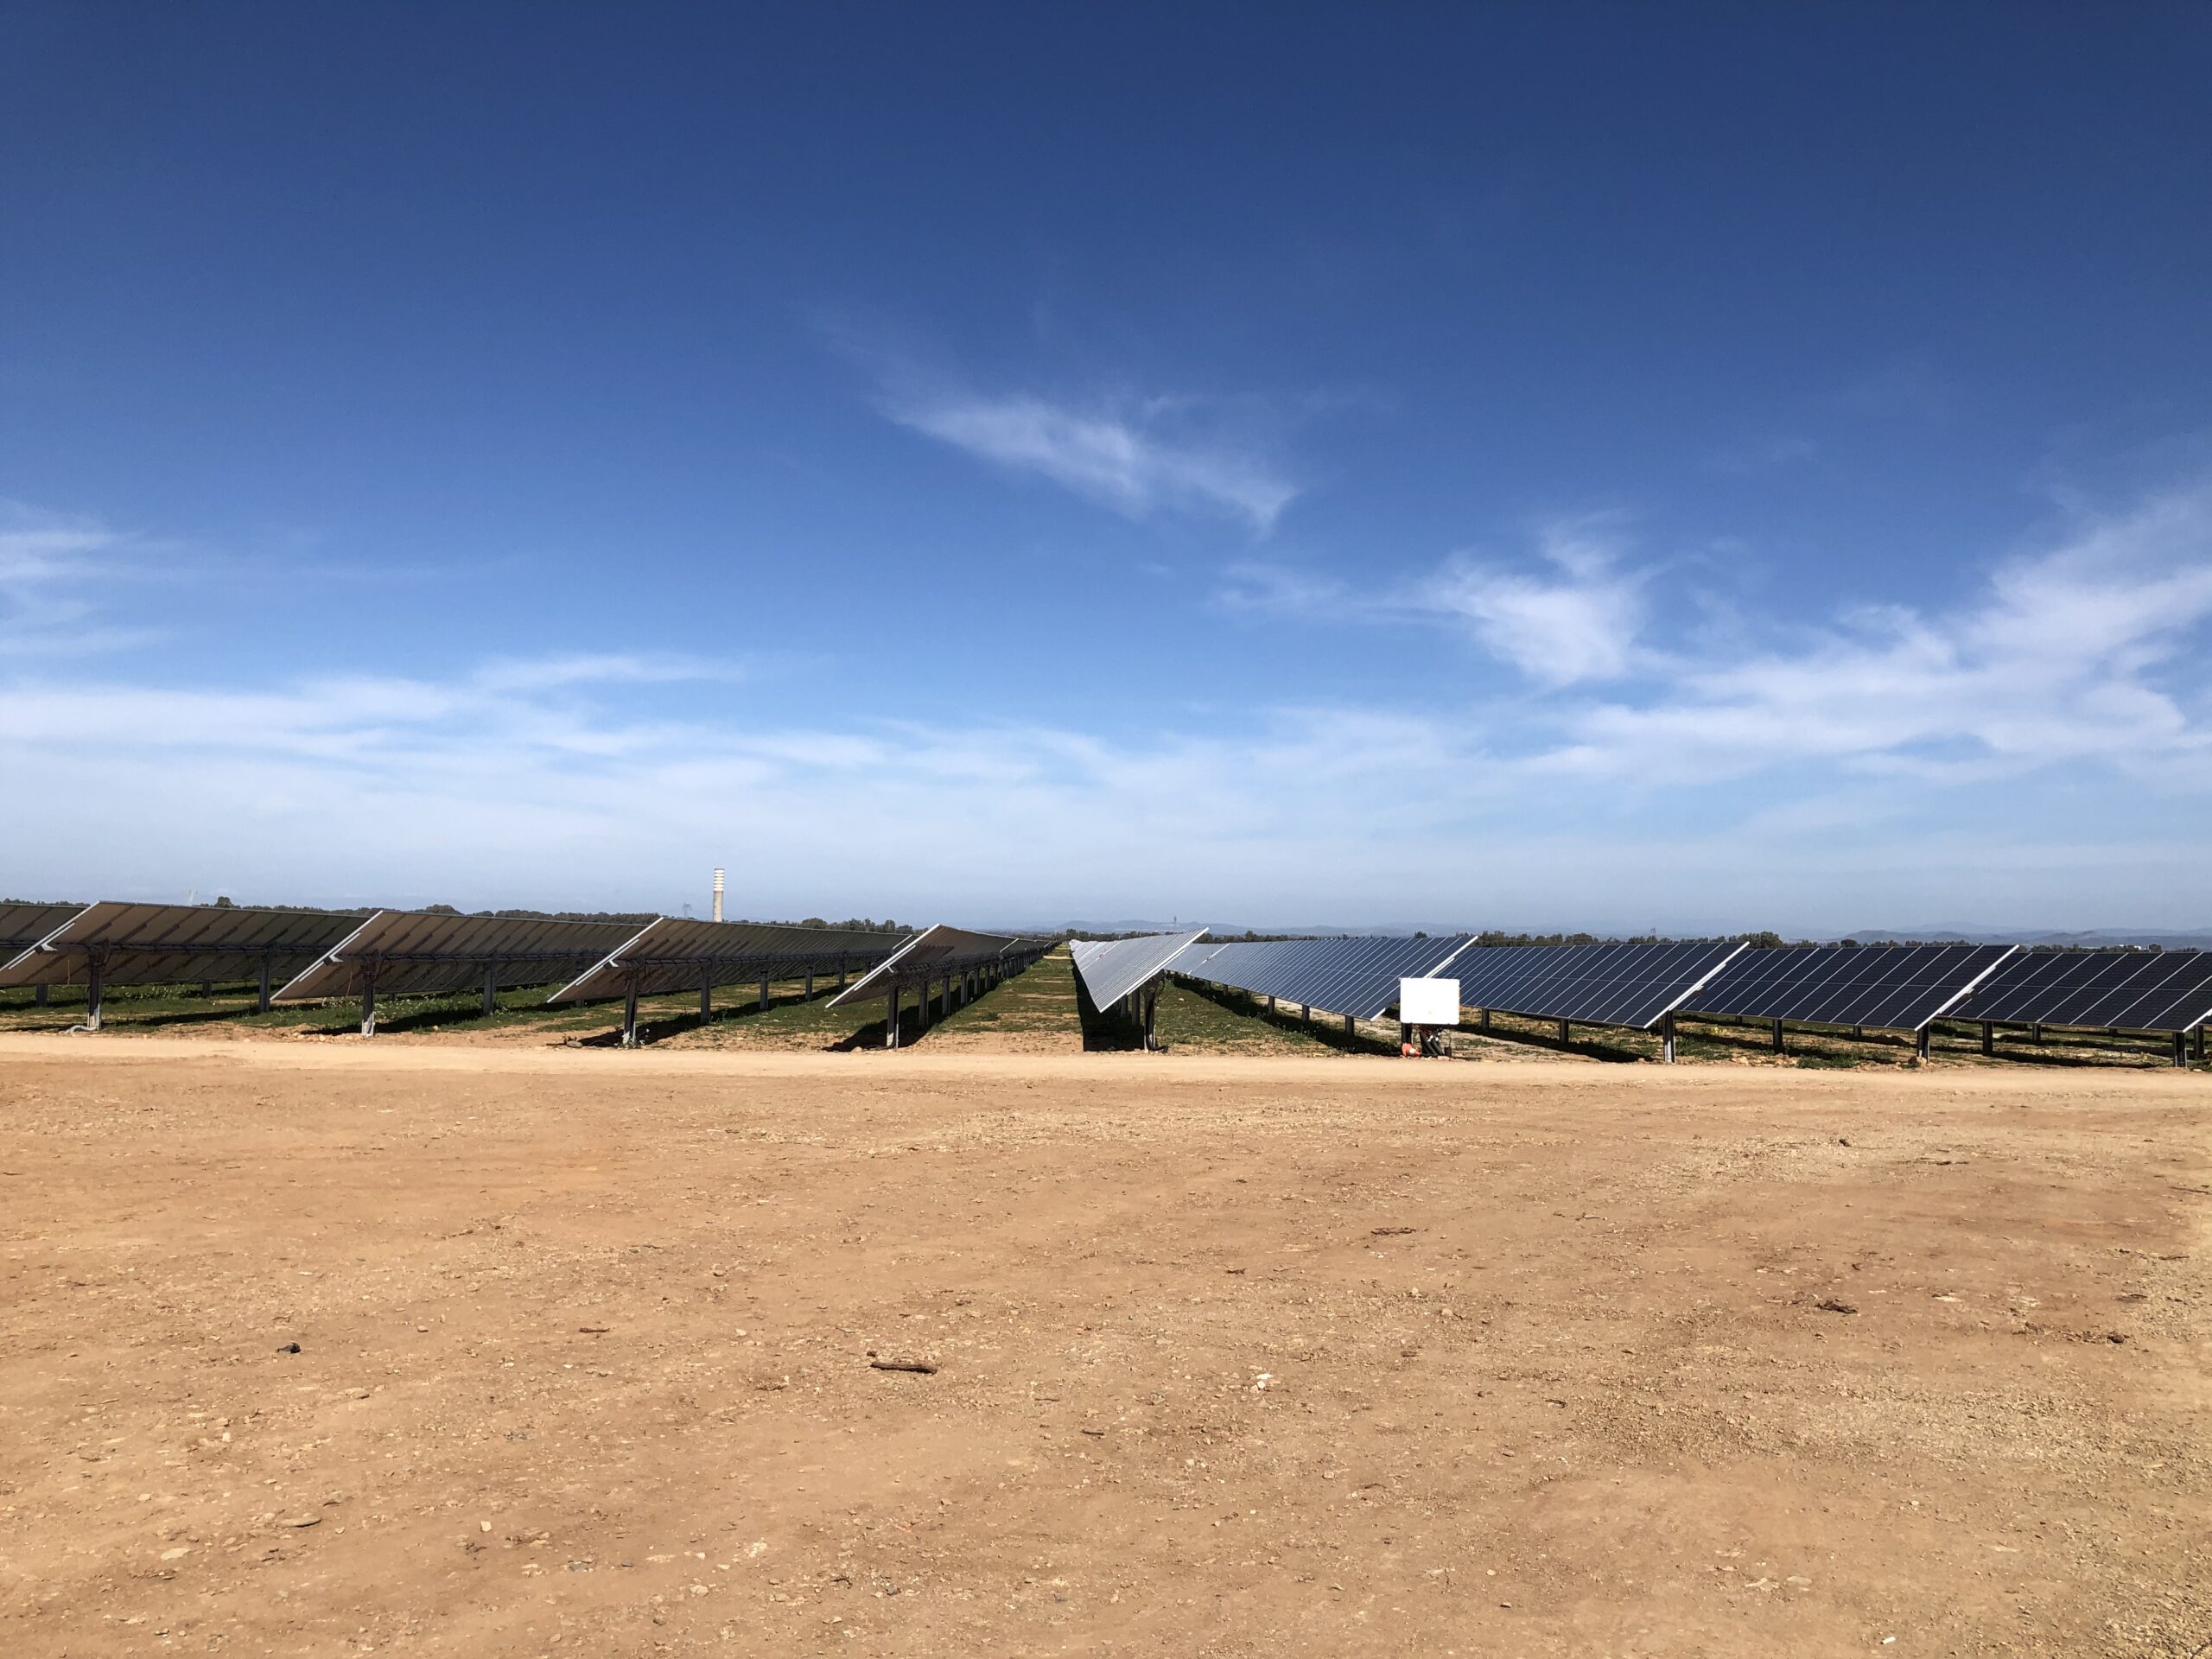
[49, 564]
[2056, 660]
[1137, 456]
[1574, 623]
[1569, 616]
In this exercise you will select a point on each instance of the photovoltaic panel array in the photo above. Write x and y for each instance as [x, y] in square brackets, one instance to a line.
[937, 952]
[23, 926]
[2101, 990]
[675, 954]
[1111, 968]
[416, 953]
[176, 945]
[1355, 976]
[1887, 987]
[1635, 985]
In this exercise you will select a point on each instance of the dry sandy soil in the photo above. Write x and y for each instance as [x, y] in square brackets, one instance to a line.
[1234, 1356]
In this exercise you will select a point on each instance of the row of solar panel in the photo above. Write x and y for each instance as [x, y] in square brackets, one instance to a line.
[301, 956]
[1883, 987]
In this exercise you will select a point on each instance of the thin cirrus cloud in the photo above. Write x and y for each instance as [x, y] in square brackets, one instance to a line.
[1138, 457]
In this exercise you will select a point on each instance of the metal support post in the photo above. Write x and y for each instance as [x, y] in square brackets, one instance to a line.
[1859, 1033]
[810, 984]
[764, 993]
[206, 987]
[1988, 1037]
[260, 998]
[1485, 1024]
[630, 1014]
[1778, 1045]
[1349, 1032]
[42, 996]
[1151, 1013]
[369, 1000]
[2180, 1048]
[92, 967]
[1304, 1014]
[1920, 1046]
[1271, 1005]
[491, 988]
[2200, 1045]
[1667, 1037]
[706, 995]
[841, 973]
[891, 1019]
[2035, 1033]
[1566, 1032]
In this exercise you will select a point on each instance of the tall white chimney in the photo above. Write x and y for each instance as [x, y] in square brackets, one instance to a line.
[718, 895]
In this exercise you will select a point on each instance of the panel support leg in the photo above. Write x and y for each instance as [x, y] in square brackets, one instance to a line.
[810, 984]
[1349, 1032]
[2180, 1048]
[1920, 1045]
[1667, 1037]
[1151, 1020]
[2200, 1045]
[1485, 1020]
[93, 988]
[369, 1001]
[891, 1019]
[764, 993]
[1859, 1033]
[1988, 1037]
[1566, 1031]
[2035, 1033]
[491, 988]
[206, 987]
[1778, 1045]
[1304, 1014]
[630, 1014]
[706, 996]
[261, 989]
[41, 998]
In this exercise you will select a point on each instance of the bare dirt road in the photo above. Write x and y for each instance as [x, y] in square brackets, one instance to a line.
[1232, 1356]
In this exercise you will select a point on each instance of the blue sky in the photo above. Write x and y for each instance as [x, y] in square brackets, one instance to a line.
[1603, 466]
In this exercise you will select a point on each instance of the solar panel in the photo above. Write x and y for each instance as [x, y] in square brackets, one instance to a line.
[2101, 990]
[416, 953]
[1889, 987]
[1358, 977]
[23, 926]
[939, 952]
[174, 945]
[686, 955]
[1111, 968]
[1633, 985]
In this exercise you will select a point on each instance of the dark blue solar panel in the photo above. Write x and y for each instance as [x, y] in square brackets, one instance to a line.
[1591, 984]
[1358, 976]
[1890, 987]
[2124, 990]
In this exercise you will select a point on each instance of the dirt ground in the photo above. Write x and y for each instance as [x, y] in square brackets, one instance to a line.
[1234, 1355]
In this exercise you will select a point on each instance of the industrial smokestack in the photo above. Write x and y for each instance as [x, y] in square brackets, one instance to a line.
[718, 895]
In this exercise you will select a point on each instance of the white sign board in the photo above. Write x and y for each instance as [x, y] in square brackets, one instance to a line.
[1428, 1002]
